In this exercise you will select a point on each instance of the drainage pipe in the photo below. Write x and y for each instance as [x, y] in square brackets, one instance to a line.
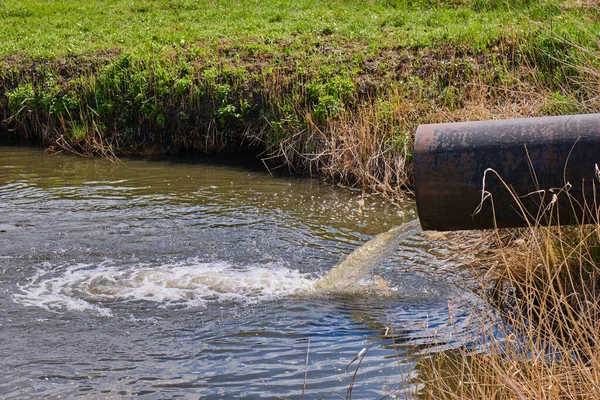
[507, 173]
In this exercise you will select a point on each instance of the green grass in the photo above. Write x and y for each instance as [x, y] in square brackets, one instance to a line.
[55, 28]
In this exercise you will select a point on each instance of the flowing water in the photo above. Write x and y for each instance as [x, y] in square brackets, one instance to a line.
[194, 279]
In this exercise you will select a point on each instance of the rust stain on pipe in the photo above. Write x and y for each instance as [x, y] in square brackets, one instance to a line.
[539, 155]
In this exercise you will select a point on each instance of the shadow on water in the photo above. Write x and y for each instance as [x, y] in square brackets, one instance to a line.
[248, 161]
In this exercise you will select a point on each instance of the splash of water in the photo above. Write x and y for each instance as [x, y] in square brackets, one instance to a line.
[193, 283]
[346, 275]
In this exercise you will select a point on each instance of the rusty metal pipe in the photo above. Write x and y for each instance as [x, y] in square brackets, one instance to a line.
[536, 158]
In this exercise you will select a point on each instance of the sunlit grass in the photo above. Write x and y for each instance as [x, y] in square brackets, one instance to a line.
[54, 28]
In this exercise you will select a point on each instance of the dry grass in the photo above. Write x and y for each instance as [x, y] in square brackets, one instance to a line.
[541, 338]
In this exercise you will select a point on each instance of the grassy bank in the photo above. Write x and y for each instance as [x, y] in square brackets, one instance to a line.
[330, 89]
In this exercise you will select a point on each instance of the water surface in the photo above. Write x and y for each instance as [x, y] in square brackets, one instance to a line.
[194, 279]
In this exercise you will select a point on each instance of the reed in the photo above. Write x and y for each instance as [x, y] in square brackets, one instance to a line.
[542, 339]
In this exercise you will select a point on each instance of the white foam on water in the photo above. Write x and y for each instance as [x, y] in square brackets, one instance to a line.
[190, 283]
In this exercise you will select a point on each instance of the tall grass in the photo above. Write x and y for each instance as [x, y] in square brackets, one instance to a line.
[544, 335]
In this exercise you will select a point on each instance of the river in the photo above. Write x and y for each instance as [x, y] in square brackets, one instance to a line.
[195, 279]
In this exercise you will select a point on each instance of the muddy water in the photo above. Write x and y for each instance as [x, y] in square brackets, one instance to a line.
[197, 280]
